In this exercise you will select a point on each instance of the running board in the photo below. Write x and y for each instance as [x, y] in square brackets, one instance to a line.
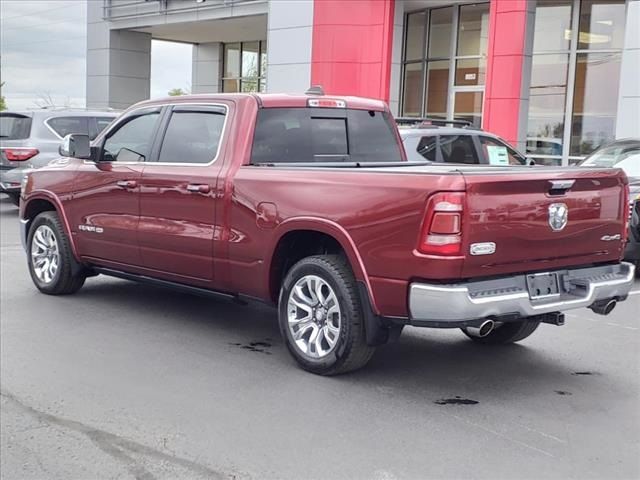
[202, 292]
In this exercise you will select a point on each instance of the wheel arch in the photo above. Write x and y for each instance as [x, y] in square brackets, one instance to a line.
[309, 236]
[46, 202]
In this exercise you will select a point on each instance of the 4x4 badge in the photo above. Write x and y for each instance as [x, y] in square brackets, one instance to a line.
[558, 216]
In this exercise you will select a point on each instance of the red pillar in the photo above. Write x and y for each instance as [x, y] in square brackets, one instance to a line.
[351, 51]
[507, 83]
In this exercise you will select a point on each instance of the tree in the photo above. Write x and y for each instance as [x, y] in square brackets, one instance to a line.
[176, 92]
[3, 105]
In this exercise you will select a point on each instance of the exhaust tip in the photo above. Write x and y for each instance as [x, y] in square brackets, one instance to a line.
[605, 307]
[483, 330]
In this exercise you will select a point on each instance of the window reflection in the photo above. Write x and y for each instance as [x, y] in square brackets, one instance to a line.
[552, 26]
[547, 99]
[601, 24]
[595, 101]
[437, 88]
[473, 32]
[414, 45]
[440, 25]
[412, 99]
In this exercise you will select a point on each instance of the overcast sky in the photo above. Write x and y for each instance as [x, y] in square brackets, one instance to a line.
[43, 52]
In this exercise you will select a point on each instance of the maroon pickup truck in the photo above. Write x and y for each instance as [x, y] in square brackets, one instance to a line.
[308, 202]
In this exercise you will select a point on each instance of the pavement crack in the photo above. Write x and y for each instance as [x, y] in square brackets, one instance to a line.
[119, 448]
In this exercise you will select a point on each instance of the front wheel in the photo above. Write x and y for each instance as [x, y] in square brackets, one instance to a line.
[321, 317]
[51, 264]
[505, 333]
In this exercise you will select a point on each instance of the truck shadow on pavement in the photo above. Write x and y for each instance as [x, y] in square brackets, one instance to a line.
[447, 367]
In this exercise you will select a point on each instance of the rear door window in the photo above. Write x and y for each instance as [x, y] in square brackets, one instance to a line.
[304, 135]
[63, 126]
[193, 135]
[458, 149]
[428, 148]
[14, 126]
[499, 153]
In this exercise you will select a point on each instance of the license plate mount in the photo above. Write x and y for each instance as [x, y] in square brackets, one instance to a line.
[543, 285]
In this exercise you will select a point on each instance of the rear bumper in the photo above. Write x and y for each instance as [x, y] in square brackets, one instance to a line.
[10, 180]
[450, 305]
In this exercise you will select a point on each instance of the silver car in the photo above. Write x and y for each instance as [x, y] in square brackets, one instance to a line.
[455, 141]
[30, 139]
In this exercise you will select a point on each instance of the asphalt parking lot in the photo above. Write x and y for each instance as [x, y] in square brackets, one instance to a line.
[128, 381]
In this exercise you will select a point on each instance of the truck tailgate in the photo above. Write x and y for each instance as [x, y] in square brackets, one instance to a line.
[515, 211]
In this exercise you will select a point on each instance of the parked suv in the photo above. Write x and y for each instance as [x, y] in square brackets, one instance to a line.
[308, 202]
[455, 141]
[30, 139]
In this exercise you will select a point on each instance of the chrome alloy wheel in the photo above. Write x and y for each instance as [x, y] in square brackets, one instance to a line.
[45, 256]
[314, 316]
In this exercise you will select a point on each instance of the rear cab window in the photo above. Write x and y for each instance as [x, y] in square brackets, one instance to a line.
[320, 135]
[14, 126]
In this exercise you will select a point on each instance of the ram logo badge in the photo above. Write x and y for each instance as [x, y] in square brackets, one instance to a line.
[558, 216]
[90, 228]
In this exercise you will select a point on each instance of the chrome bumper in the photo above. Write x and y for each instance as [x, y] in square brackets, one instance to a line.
[509, 295]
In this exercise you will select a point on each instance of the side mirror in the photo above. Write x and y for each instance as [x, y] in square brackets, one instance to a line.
[75, 145]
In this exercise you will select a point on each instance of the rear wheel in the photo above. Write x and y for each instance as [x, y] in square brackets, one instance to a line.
[53, 269]
[14, 198]
[509, 332]
[321, 317]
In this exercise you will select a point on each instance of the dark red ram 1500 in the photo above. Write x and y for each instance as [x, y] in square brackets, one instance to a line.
[308, 202]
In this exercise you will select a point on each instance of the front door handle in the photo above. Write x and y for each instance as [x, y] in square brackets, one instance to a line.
[127, 183]
[198, 188]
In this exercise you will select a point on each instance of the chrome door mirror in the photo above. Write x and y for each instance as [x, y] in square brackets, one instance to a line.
[75, 145]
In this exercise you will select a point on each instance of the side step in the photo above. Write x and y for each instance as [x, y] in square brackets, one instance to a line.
[202, 292]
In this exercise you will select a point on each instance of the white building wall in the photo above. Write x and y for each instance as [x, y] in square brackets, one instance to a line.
[396, 58]
[206, 74]
[289, 38]
[628, 120]
[118, 63]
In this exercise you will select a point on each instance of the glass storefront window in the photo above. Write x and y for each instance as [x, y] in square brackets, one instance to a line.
[568, 121]
[552, 27]
[414, 43]
[468, 106]
[547, 99]
[595, 101]
[473, 30]
[412, 98]
[427, 72]
[437, 88]
[231, 60]
[471, 71]
[601, 24]
[440, 25]
[245, 66]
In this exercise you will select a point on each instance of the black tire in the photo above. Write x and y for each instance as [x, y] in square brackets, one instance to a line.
[351, 351]
[69, 276]
[14, 198]
[509, 332]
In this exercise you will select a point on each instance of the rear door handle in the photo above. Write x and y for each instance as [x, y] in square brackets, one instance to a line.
[197, 188]
[127, 183]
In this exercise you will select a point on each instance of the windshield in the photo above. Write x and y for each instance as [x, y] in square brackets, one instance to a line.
[324, 135]
[14, 126]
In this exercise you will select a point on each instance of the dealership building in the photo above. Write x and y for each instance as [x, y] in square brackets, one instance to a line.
[555, 77]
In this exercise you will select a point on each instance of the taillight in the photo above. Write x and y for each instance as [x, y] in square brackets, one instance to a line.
[20, 154]
[442, 228]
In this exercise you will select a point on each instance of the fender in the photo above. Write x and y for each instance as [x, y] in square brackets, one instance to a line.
[57, 203]
[333, 229]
